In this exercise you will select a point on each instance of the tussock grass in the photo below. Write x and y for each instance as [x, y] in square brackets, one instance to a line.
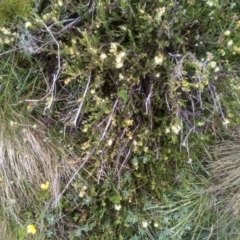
[30, 154]
[28, 159]
[6, 228]
[225, 186]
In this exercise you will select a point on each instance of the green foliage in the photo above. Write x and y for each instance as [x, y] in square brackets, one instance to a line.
[11, 9]
[118, 102]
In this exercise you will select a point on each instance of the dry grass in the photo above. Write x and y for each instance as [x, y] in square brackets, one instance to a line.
[4, 229]
[225, 186]
[225, 170]
[28, 158]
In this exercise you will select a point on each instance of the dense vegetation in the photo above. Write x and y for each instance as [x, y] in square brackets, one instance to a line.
[119, 119]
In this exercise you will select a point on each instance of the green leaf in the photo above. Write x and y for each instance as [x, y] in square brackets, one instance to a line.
[49, 234]
[123, 95]
[115, 199]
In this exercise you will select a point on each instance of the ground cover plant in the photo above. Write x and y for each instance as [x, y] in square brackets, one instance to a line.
[110, 111]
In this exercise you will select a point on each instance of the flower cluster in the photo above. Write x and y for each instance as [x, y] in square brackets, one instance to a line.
[158, 60]
[119, 59]
[176, 128]
[82, 192]
[7, 37]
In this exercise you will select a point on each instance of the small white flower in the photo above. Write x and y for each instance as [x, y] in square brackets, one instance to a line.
[167, 130]
[119, 64]
[6, 40]
[145, 149]
[176, 128]
[103, 56]
[5, 31]
[230, 43]
[210, 56]
[113, 47]
[158, 60]
[121, 54]
[227, 33]
[81, 193]
[160, 12]
[226, 122]
[109, 142]
[118, 59]
[210, 3]
[121, 77]
[223, 53]
[156, 224]
[28, 24]
[134, 142]
[144, 224]
[200, 124]
[212, 64]
[117, 207]
[189, 161]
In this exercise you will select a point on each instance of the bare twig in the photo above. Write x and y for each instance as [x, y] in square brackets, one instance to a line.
[123, 164]
[9, 51]
[83, 100]
[109, 120]
[56, 75]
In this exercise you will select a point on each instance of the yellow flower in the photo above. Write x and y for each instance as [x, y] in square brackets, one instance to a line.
[128, 122]
[45, 185]
[31, 229]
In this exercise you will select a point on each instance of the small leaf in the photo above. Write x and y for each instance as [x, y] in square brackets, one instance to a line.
[115, 199]
[123, 95]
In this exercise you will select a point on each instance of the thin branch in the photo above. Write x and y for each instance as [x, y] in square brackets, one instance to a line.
[82, 102]
[56, 75]
[109, 120]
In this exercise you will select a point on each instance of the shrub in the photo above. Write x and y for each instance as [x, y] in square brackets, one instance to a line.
[125, 95]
